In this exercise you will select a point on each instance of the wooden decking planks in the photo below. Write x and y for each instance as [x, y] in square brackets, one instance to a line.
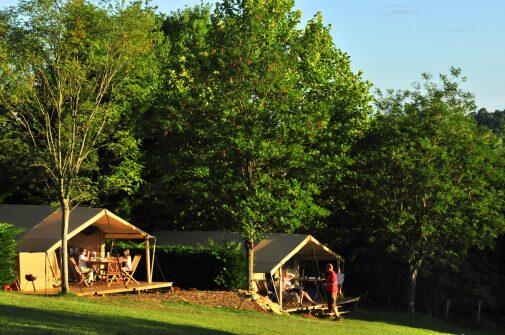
[132, 287]
[102, 289]
[308, 308]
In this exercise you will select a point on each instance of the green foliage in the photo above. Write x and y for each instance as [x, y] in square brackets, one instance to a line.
[430, 181]
[495, 121]
[70, 73]
[255, 115]
[8, 246]
[206, 267]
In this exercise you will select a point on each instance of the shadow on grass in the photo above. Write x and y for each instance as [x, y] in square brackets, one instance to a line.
[25, 320]
[419, 321]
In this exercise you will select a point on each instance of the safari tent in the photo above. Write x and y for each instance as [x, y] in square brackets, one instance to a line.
[39, 244]
[291, 251]
[301, 255]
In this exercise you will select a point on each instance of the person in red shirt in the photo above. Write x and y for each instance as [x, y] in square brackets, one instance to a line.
[331, 287]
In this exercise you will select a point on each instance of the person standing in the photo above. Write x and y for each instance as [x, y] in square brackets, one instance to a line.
[331, 287]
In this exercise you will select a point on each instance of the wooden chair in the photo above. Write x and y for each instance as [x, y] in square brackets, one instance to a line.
[128, 275]
[114, 273]
[80, 277]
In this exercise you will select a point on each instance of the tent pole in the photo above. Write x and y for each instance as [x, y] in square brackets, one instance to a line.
[275, 288]
[318, 274]
[280, 286]
[152, 260]
[45, 274]
[148, 261]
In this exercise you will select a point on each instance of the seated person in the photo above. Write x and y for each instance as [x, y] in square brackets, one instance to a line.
[288, 287]
[83, 265]
[126, 261]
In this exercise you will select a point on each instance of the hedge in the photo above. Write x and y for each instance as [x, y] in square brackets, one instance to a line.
[205, 268]
[8, 253]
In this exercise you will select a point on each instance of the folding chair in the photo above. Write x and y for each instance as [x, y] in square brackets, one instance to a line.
[114, 273]
[128, 275]
[80, 277]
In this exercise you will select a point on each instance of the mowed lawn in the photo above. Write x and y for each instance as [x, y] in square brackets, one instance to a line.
[24, 314]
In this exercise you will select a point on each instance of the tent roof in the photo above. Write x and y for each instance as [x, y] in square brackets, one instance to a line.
[43, 225]
[276, 249]
[196, 238]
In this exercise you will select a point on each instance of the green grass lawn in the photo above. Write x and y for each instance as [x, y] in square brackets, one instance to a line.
[23, 314]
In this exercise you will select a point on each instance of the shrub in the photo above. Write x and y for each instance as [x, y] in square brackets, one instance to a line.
[8, 249]
[210, 267]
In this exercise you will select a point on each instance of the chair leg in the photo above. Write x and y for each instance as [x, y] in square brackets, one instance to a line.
[33, 284]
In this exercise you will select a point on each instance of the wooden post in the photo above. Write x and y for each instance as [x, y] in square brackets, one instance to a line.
[152, 261]
[280, 286]
[447, 308]
[478, 310]
[148, 262]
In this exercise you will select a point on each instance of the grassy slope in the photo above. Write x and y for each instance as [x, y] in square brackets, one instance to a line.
[22, 314]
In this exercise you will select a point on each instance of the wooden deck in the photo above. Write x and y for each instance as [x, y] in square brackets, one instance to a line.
[320, 306]
[102, 289]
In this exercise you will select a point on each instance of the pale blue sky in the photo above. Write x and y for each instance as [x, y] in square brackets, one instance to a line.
[394, 41]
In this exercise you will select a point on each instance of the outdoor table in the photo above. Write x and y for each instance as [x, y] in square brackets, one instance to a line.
[100, 265]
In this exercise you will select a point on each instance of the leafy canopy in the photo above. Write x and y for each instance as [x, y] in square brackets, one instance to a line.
[256, 115]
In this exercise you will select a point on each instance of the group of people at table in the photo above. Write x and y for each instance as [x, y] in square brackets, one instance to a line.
[86, 257]
[330, 286]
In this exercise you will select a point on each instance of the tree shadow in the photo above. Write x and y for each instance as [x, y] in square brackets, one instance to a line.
[418, 321]
[26, 320]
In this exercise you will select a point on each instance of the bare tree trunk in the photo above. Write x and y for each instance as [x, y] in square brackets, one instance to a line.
[414, 270]
[249, 247]
[65, 216]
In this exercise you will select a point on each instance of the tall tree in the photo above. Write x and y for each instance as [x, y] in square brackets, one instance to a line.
[65, 69]
[257, 114]
[431, 181]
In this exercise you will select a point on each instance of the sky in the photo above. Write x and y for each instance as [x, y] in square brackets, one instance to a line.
[394, 41]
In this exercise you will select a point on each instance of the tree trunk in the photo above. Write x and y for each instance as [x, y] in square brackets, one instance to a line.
[414, 270]
[249, 247]
[65, 216]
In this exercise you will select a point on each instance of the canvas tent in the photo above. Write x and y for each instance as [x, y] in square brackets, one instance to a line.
[270, 253]
[38, 245]
[275, 250]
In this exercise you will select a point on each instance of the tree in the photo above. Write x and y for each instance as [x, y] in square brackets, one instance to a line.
[495, 121]
[256, 115]
[65, 70]
[431, 181]
[8, 246]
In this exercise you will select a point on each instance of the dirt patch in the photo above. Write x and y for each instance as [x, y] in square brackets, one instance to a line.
[235, 300]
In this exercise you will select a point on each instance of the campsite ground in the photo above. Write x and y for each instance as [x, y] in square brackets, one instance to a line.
[25, 314]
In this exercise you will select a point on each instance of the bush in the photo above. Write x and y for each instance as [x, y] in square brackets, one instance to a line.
[205, 268]
[8, 249]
